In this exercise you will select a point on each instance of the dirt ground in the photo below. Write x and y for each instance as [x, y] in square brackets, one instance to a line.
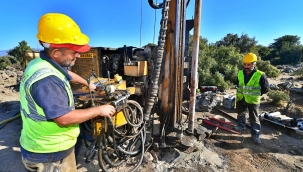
[281, 150]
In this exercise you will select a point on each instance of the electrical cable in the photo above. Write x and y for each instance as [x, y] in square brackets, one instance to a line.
[141, 24]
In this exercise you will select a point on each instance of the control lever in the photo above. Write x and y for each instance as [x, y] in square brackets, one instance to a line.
[91, 96]
[95, 75]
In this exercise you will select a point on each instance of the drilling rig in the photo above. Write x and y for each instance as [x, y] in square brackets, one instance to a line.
[140, 84]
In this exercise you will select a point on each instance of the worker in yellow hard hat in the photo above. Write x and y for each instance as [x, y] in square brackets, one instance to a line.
[50, 121]
[252, 84]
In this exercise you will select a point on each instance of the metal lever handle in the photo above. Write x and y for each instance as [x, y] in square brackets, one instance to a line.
[91, 96]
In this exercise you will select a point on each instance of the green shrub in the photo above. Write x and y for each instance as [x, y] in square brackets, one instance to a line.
[278, 97]
[8, 61]
[268, 69]
[216, 79]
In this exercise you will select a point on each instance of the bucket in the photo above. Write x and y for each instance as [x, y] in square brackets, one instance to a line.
[229, 102]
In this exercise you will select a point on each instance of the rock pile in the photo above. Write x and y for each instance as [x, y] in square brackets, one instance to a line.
[10, 72]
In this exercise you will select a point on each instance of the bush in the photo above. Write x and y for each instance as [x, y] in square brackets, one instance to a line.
[8, 61]
[216, 79]
[268, 69]
[278, 97]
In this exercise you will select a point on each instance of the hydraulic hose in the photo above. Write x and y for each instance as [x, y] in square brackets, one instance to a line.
[102, 153]
[4, 122]
[153, 5]
[153, 92]
[104, 160]
[137, 105]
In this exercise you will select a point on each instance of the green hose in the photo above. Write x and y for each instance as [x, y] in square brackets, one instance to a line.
[10, 119]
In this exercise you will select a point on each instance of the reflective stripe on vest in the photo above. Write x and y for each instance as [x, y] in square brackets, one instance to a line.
[252, 90]
[40, 135]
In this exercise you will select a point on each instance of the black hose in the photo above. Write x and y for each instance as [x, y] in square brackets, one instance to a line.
[102, 153]
[142, 153]
[130, 136]
[153, 5]
[187, 2]
[153, 89]
[104, 159]
[126, 114]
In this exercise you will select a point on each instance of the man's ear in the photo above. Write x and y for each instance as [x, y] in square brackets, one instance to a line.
[55, 53]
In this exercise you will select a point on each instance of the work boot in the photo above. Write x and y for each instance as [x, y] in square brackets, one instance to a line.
[239, 128]
[256, 139]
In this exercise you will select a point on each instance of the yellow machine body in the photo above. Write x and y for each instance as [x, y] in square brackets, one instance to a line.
[136, 68]
[119, 119]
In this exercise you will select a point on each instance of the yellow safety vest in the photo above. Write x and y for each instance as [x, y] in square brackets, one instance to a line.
[252, 90]
[40, 135]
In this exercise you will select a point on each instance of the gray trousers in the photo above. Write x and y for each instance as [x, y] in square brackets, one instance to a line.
[68, 164]
[253, 111]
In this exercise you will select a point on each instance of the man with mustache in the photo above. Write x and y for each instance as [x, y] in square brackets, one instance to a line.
[50, 122]
[252, 84]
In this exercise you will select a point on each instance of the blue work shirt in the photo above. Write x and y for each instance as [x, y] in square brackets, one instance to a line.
[49, 93]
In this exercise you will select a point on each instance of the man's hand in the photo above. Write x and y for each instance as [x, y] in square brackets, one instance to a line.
[92, 87]
[106, 110]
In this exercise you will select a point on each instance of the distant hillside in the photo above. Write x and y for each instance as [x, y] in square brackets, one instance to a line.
[3, 52]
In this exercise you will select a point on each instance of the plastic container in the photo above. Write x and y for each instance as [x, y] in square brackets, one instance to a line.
[229, 102]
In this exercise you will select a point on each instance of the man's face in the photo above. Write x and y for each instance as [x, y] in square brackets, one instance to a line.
[249, 67]
[67, 58]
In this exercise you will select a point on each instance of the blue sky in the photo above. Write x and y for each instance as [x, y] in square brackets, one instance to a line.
[116, 23]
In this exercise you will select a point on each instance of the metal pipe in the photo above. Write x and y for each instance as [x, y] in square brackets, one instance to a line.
[194, 70]
[179, 60]
[176, 54]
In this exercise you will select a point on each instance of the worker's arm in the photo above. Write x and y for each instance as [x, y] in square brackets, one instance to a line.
[81, 115]
[264, 84]
[49, 93]
[78, 79]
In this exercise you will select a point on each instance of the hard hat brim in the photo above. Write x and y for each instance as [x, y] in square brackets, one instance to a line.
[78, 48]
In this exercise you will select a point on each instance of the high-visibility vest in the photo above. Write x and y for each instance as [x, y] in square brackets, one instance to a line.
[252, 90]
[40, 135]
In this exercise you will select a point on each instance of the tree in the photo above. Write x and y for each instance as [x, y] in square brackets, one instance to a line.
[228, 40]
[290, 54]
[286, 50]
[244, 43]
[291, 39]
[264, 52]
[19, 50]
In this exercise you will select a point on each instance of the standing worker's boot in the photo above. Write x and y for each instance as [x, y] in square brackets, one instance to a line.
[239, 128]
[241, 119]
[256, 139]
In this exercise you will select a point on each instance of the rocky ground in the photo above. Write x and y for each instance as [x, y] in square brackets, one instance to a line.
[281, 149]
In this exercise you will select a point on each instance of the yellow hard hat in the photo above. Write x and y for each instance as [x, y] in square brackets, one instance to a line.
[249, 58]
[56, 28]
